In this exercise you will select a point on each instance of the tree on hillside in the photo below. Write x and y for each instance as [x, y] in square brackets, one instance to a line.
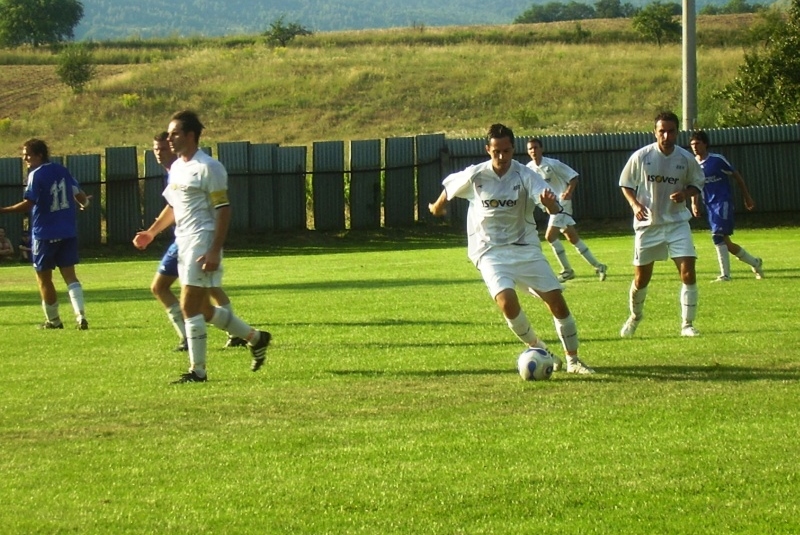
[731, 8]
[556, 11]
[75, 66]
[613, 9]
[657, 21]
[767, 88]
[280, 33]
[38, 22]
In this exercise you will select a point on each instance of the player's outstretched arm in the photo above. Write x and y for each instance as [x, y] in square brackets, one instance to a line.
[22, 206]
[439, 207]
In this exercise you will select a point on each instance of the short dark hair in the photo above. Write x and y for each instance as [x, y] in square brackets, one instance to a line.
[37, 147]
[535, 140]
[499, 131]
[700, 135]
[667, 116]
[161, 136]
[190, 122]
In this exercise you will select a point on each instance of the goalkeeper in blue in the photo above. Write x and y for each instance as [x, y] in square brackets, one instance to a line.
[718, 203]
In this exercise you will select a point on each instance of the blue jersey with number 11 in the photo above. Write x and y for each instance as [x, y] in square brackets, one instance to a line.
[51, 188]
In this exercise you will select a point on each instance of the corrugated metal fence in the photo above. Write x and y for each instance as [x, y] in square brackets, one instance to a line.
[372, 183]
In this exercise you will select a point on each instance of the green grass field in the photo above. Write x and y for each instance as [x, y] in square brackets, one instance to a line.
[391, 402]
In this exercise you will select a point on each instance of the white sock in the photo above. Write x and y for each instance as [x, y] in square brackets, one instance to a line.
[561, 255]
[231, 323]
[51, 312]
[176, 319]
[587, 255]
[724, 259]
[229, 307]
[636, 297]
[196, 338]
[522, 328]
[568, 334]
[688, 303]
[746, 257]
[75, 291]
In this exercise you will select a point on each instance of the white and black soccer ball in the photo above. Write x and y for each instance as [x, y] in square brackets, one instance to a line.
[535, 364]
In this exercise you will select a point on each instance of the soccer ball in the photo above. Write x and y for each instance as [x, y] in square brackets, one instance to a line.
[535, 364]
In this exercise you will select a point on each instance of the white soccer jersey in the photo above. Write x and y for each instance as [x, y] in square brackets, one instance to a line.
[500, 208]
[195, 190]
[556, 173]
[655, 176]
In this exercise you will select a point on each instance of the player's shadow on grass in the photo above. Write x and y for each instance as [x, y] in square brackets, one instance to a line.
[717, 373]
[422, 373]
[383, 322]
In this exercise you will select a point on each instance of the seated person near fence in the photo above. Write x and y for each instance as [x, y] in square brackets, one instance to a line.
[24, 247]
[6, 249]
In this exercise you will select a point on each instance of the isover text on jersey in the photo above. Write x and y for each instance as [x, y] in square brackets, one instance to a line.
[495, 203]
[662, 179]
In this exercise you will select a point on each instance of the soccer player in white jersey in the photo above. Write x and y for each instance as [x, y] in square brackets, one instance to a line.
[503, 242]
[563, 180]
[197, 197]
[167, 272]
[718, 201]
[657, 181]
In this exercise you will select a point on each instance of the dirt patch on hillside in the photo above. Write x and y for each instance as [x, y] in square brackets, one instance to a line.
[27, 87]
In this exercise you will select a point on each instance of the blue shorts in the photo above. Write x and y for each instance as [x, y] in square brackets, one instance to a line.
[50, 254]
[720, 218]
[169, 263]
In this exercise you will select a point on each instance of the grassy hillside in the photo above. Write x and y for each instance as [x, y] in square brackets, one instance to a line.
[360, 85]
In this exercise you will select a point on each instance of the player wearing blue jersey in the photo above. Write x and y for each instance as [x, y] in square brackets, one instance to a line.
[503, 242]
[167, 272]
[198, 206]
[657, 181]
[718, 201]
[52, 196]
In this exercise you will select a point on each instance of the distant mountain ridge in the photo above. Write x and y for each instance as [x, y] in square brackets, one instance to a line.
[119, 19]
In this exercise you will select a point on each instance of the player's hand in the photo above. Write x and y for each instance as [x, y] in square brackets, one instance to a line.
[749, 204]
[678, 197]
[209, 262]
[550, 201]
[85, 205]
[639, 211]
[142, 240]
[437, 209]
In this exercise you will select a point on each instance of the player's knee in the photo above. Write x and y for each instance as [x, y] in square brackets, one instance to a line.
[718, 239]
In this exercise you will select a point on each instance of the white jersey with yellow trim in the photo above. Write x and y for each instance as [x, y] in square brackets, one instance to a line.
[655, 176]
[195, 190]
[500, 208]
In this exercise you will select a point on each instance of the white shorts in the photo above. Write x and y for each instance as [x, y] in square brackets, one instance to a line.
[525, 266]
[190, 271]
[561, 221]
[564, 219]
[659, 242]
